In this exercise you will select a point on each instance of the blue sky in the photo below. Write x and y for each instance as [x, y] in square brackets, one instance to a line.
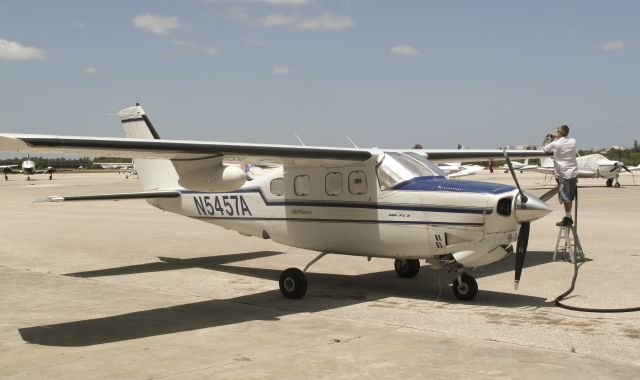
[385, 73]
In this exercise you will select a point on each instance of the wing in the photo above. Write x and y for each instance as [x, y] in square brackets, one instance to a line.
[543, 170]
[473, 155]
[177, 149]
[7, 166]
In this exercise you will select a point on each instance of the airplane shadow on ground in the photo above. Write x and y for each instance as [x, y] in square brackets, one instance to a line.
[326, 292]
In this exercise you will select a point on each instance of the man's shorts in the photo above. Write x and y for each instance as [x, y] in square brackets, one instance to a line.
[567, 189]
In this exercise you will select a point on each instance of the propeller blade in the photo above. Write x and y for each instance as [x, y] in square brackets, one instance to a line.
[626, 168]
[523, 197]
[521, 251]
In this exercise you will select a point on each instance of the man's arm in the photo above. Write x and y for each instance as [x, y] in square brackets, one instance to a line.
[550, 145]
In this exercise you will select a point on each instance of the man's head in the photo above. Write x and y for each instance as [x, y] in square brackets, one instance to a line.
[563, 131]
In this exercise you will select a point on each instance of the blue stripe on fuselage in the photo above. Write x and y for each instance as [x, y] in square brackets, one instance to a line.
[442, 184]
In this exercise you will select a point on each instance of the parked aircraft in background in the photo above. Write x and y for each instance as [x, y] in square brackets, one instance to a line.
[28, 168]
[521, 166]
[128, 168]
[457, 169]
[394, 204]
[589, 166]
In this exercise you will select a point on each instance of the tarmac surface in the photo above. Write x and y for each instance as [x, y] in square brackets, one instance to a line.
[123, 290]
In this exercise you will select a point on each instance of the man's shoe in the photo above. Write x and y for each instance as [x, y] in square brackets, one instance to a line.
[565, 222]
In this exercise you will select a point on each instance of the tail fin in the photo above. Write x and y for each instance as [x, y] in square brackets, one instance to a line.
[154, 173]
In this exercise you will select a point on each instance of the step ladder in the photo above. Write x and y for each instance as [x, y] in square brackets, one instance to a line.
[565, 244]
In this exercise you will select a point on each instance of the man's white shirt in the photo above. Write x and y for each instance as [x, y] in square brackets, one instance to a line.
[564, 157]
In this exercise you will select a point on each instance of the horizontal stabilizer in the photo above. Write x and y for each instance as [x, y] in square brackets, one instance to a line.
[112, 197]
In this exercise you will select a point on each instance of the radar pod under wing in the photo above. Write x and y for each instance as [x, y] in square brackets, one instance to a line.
[112, 197]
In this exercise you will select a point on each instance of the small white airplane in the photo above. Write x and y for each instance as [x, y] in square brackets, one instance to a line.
[589, 166]
[393, 204]
[457, 169]
[521, 166]
[114, 165]
[28, 168]
[128, 168]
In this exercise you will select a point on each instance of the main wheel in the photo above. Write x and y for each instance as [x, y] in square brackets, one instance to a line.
[467, 290]
[293, 283]
[617, 184]
[609, 182]
[407, 268]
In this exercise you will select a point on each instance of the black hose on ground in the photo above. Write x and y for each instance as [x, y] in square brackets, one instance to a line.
[575, 277]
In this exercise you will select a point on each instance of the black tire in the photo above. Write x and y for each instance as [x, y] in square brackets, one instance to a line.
[467, 290]
[617, 184]
[609, 182]
[293, 283]
[407, 268]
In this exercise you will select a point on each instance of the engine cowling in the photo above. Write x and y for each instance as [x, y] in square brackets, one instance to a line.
[209, 175]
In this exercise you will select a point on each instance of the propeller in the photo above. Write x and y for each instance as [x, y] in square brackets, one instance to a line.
[623, 166]
[521, 251]
[523, 234]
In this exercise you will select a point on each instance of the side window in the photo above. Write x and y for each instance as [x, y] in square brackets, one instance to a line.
[277, 186]
[333, 183]
[302, 185]
[357, 183]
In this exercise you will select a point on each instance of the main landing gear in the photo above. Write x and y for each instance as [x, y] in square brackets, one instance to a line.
[610, 182]
[407, 268]
[293, 282]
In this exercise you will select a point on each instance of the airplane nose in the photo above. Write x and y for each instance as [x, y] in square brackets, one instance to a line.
[532, 210]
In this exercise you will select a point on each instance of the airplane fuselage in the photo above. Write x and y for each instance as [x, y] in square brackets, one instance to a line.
[439, 220]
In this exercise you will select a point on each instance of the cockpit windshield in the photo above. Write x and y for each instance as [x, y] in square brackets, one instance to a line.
[398, 167]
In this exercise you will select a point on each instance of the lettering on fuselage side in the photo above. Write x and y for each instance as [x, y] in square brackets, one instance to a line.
[221, 205]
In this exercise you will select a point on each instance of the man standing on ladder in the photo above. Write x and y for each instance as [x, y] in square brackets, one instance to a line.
[566, 167]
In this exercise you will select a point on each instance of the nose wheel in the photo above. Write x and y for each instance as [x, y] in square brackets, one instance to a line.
[613, 182]
[465, 287]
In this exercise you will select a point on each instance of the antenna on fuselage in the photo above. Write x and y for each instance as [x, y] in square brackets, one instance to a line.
[351, 141]
[299, 139]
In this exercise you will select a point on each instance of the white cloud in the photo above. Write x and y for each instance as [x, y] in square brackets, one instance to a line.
[156, 24]
[11, 50]
[281, 70]
[194, 45]
[278, 20]
[327, 20]
[254, 42]
[90, 70]
[613, 46]
[404, 50]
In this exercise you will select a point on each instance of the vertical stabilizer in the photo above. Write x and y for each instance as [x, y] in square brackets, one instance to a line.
[154, 173]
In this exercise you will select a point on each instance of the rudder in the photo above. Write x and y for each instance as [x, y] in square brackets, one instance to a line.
[154, 174]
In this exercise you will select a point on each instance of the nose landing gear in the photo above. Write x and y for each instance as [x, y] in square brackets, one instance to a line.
[465, 287]
[610, 182]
